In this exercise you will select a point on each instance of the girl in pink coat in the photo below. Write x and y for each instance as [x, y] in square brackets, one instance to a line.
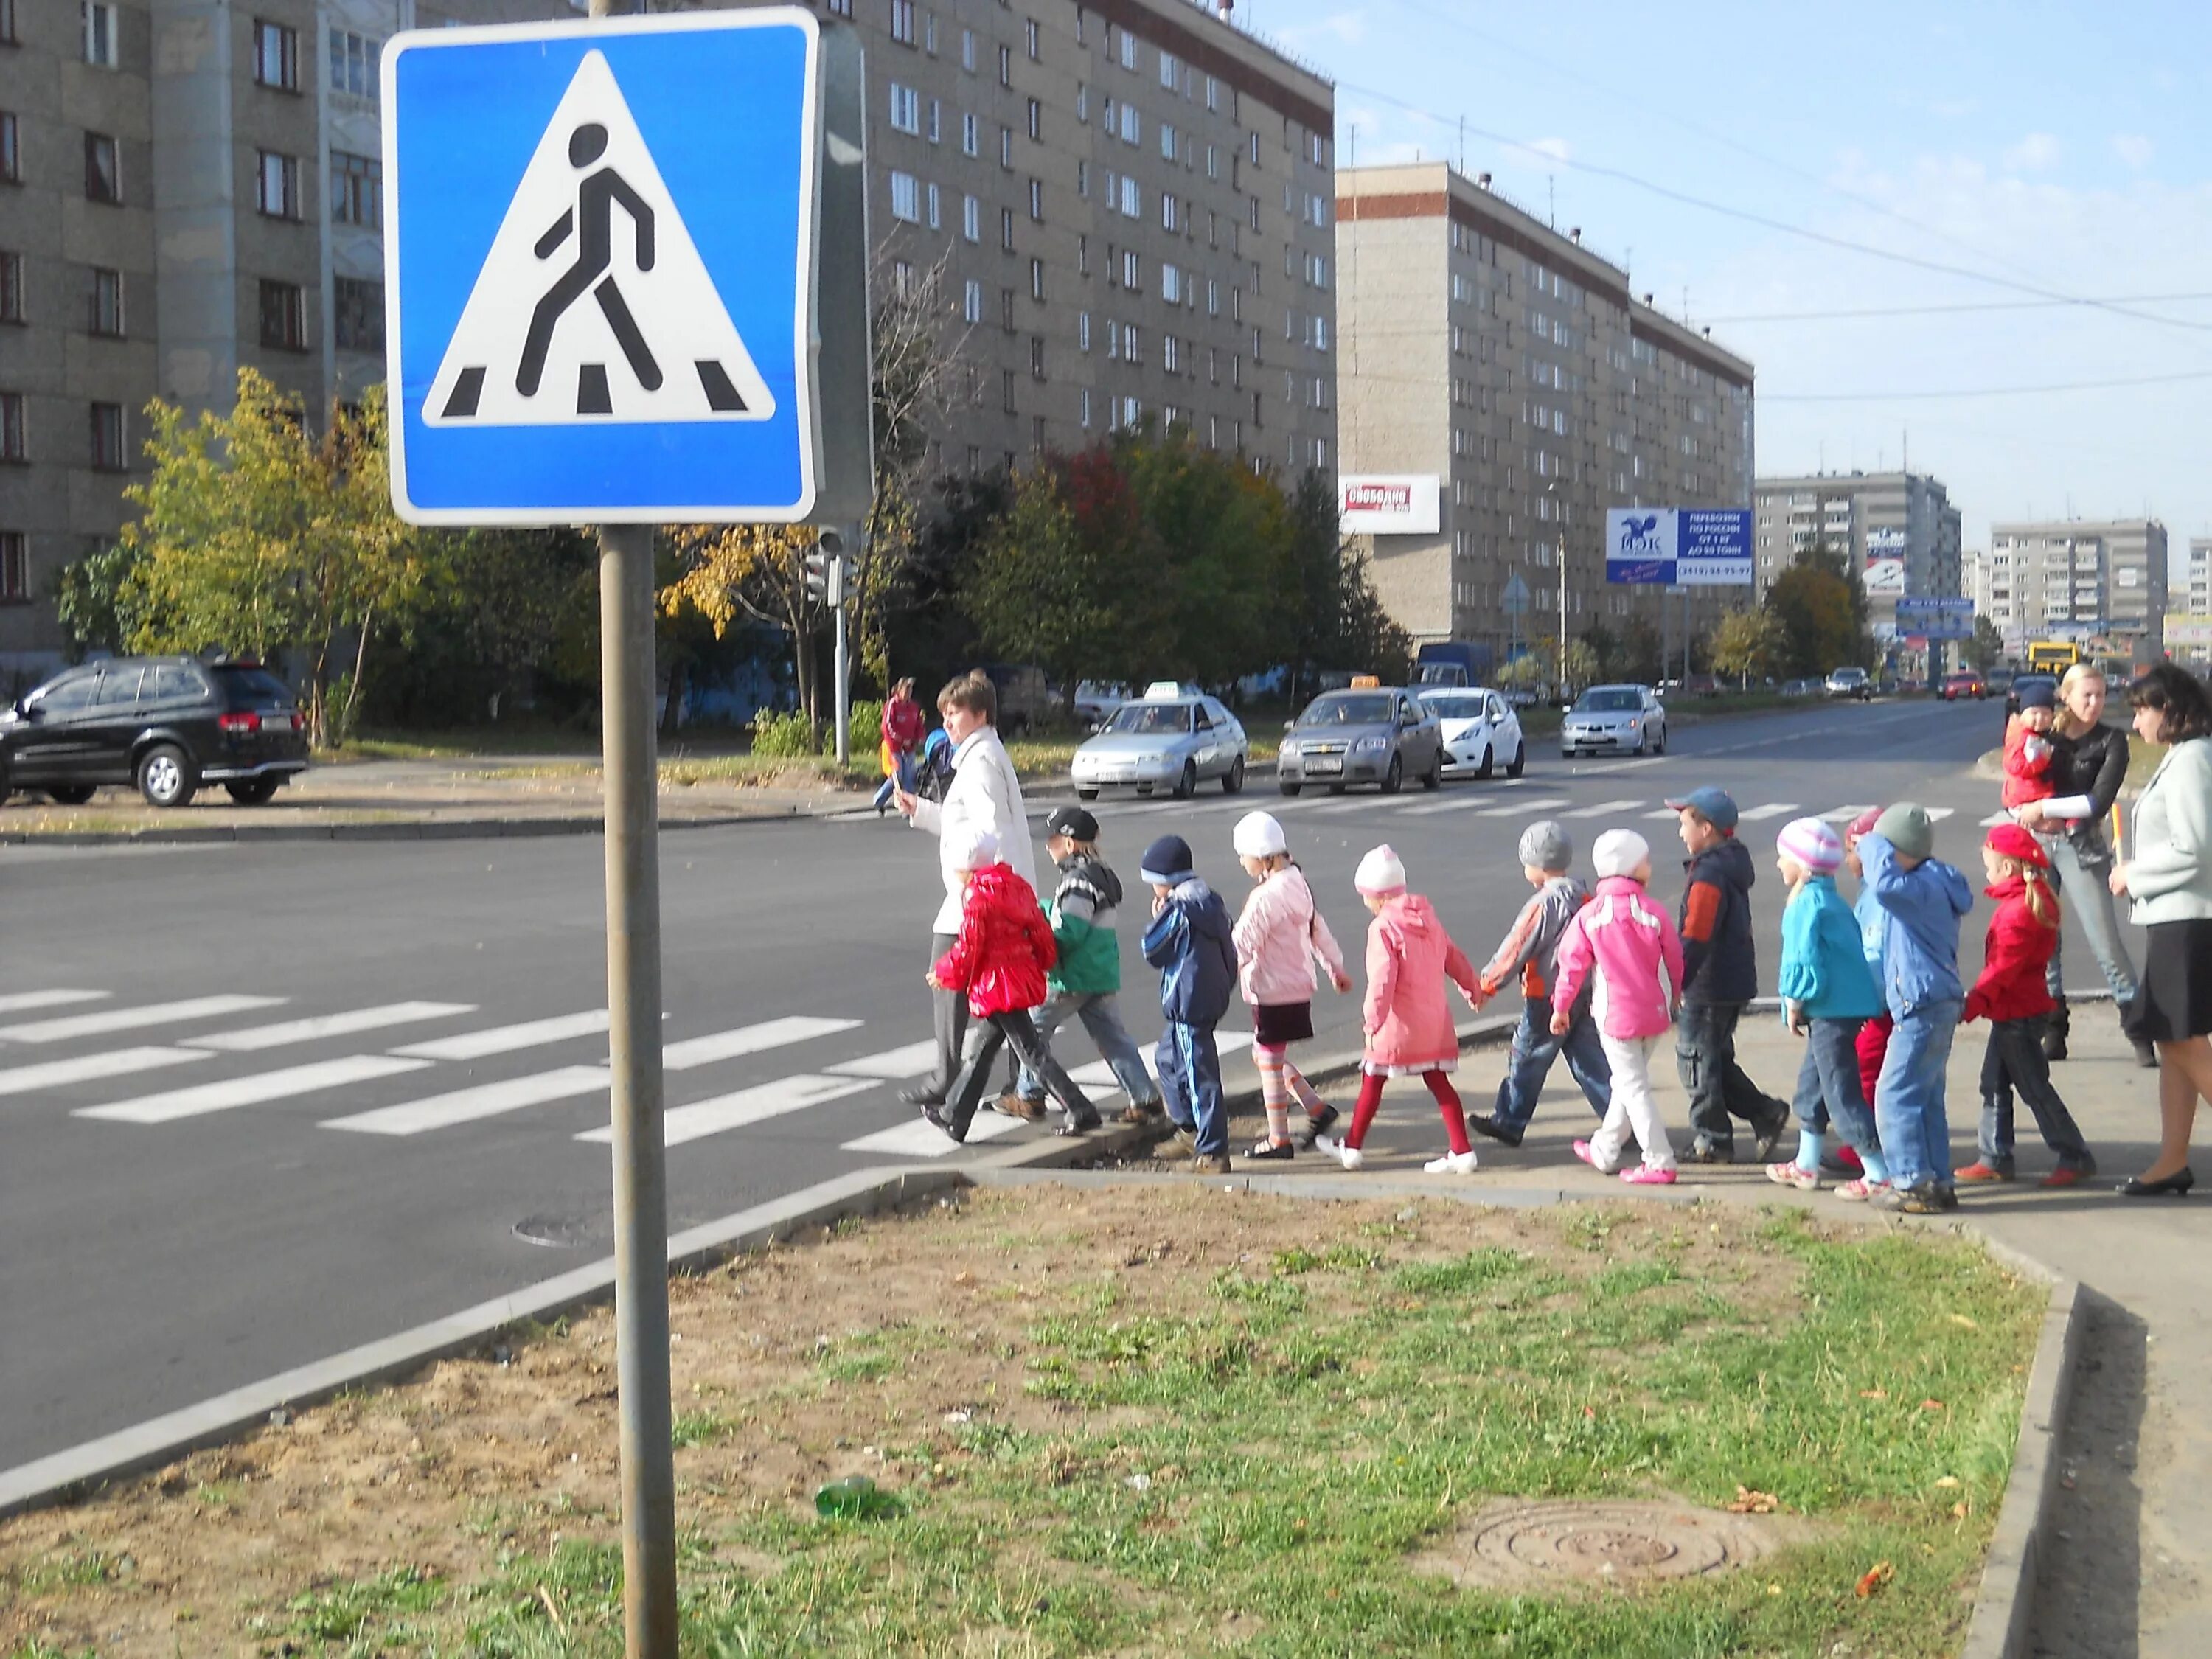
[1627, 942]
[1409, 1026]
[1279, 938]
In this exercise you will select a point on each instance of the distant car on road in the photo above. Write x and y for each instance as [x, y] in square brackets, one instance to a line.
[1851, 683]
[1380, 735]
[1094, 701]
[2023, 682]
[166, 723]
[1174, 743]
[1480, 732]
[1964, 684]
[1801, 688]
[1614, 720]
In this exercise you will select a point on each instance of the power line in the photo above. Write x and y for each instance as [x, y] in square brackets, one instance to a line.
[1932, 310]
[1978, 391]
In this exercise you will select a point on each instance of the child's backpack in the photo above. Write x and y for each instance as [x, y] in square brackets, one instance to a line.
[933, 769]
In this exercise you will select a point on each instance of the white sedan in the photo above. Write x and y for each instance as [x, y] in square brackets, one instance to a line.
[1481, 732]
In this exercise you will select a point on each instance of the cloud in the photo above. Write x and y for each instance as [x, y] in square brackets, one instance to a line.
[2133, 149]
[2033, 154]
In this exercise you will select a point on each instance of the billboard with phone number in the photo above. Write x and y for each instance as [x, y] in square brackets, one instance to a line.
[1679, 546]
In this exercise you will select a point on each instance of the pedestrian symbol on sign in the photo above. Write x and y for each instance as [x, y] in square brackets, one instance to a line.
[527, 353]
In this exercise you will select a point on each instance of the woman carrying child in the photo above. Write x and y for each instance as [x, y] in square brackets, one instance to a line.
[1279, 937]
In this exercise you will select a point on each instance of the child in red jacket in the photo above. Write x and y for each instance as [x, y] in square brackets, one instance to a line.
[2028, 749]
[2011, 994]
[999, 958]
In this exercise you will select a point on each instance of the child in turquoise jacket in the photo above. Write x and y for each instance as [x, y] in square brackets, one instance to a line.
[1828, 992]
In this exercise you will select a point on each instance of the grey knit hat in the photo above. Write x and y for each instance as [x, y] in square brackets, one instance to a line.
[1908, 828]
[1546, 845]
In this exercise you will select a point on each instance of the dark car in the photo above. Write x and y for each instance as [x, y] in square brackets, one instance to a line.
[166, 723]
[2023, 682]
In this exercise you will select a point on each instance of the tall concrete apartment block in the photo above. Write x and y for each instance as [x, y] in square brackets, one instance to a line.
[2101, 584]
[1484, 348]
[1898, 529]
[2200, 575]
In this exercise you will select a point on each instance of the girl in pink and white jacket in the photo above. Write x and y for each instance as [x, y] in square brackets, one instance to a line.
[1409, 1026]
[1627, 942]
[1279, 937]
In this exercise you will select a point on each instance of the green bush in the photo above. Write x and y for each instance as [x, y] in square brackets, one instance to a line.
[788, 735]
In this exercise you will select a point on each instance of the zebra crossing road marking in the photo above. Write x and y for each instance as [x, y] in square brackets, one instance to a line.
[754, 1105]
[695, 1052]
[1514, 809]
[1937, 814]
[1994, 819]
[893, 1065]
[204, 1098]
[1602, 808]
[921, 1139]
[1663, 812]
[1844, 814]
[128, 1019]
[1773, 809]
[1457, 804]
[414, 1117]
[23, 1002]
[508, 1039]
[255, 1038]
[88, 1068]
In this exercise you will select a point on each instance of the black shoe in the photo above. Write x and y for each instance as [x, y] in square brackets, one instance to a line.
[1079, 1126]
[2054, 1037]
[1273, 1150]
[958, 1133]
[1490, 1128]
[922, 1094]
[2146, 1053]
[1318, 1126]
[1769, 1138]
[2174, 1186]
[1711, 1152]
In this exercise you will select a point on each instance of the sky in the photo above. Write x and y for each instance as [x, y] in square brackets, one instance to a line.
[1999, 161]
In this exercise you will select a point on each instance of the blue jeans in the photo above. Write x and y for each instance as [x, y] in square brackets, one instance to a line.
[2085, 886]
[1102, 1018]
[2014, 1061]
[1530, 1063]
[1908, 1100]
[1828, 1084]
[1190, 1085]
[900, 778]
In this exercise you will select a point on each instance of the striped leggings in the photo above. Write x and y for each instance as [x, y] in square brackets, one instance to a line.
[1279, 1081]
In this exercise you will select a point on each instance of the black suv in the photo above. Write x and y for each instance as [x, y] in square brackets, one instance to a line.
[166, 724]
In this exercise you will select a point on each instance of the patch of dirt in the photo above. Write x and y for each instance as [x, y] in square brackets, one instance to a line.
[1544, 1547]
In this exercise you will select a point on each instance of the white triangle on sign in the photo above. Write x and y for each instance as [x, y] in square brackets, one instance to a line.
[594, 305]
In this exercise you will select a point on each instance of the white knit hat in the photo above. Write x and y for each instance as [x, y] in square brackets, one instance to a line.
[974, 850]
[1380, 872]
[1619, 853]
[1812, 844]
[1257, 836]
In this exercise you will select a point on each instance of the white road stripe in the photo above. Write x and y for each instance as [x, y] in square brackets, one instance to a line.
[355, 1020]
[921, 1139]
[1602, 809]
[1100, 1075]
[1773, 809]
[1937, 814]
[23, 1001]
[507, 1039]
[127, 1019]
[205, 1098]
[1663, 812]
[1456, 804]
[753, 1105]
[750, 1039]
[915, 1060]
[1844, 814]
[467, 1105]
[1514, 809]
[1994, 819]
[85, 1068]
[1358, 804]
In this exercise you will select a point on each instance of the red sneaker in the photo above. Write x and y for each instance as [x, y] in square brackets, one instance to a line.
[1979, 1171]
[2065, 1175]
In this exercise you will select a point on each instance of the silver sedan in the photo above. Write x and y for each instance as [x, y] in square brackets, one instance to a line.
[1164, 743]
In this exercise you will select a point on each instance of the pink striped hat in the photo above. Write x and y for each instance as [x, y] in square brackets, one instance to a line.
[1813, 844]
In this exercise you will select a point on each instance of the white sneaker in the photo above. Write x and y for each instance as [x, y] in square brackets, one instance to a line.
[1350, 1157]
[1451, 1163]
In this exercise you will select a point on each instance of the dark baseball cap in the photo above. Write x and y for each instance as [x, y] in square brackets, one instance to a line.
[1073, 822]
[1716, 806]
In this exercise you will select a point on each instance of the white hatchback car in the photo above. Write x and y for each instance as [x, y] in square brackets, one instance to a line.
[1481, 731]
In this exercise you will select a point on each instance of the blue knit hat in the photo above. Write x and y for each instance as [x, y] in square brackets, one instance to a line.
[2039, 694]
[1168, 862]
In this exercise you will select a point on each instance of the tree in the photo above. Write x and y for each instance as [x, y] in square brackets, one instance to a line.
[1813, 606]
[1581, 661]
[1057, 591]
[1986, 645]
[711, 576]
[1333, 617]
[1746, 643]
[96, 599]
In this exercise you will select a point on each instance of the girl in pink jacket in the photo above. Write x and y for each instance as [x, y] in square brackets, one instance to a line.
[1626, 941]
[1279, 938]
[1409, 1026]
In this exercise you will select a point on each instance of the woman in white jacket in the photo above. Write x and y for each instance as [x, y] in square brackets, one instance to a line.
[984, 795]
[2170, 880]
[1279, 938]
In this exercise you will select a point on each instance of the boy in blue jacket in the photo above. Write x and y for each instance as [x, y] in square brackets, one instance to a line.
[1923, 901]
[1189, 941]
[1828, 992]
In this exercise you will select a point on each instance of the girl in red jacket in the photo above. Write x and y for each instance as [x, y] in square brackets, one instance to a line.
[2010, 993]
[1000, 957]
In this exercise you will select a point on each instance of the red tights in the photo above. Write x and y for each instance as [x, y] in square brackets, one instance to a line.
[1370, 1099]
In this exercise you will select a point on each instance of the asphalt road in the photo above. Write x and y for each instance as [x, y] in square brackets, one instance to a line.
[174, 1230]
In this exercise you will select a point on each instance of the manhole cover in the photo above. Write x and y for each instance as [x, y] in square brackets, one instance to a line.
[559, 1232]
[1566, 1543]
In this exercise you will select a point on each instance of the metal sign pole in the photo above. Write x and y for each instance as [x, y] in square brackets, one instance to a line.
[844, 701]
[641, 1161]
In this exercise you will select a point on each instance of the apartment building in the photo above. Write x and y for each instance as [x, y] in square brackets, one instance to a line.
[1900, 530]
[2100, 582]
[1487, 350]
[2200, 574]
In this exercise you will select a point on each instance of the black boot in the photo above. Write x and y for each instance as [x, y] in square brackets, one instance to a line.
[2146, 1051]
[2054, 1036]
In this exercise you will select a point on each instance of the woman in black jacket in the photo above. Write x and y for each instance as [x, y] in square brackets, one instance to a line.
[2091, 760]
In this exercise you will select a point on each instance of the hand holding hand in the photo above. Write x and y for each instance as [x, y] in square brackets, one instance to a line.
[2029, 816]
[1342, 980]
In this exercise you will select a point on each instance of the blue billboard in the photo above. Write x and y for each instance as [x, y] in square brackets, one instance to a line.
[1679, 546]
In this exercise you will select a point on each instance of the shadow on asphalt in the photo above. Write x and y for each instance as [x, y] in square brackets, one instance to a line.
[2092, 1565]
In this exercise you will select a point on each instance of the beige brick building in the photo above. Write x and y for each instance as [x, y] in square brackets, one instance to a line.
[1483, 348]
[1899, 530]
[2100, 583]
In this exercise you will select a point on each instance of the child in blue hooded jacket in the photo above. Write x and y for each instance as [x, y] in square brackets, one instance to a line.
[1923, 901]
[1190, 942]
[1828, 992]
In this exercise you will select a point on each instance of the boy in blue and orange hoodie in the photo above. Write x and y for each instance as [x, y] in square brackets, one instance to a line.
[1190, 942]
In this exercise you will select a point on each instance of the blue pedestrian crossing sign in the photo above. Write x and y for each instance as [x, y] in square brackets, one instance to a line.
[600, 270]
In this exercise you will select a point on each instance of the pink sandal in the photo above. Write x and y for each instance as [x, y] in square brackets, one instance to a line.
[1861, 1191]
[1647, 1175]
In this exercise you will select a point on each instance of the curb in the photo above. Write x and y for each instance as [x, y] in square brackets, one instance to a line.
[430, 830]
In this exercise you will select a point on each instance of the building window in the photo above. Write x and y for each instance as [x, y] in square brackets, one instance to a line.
[1036, 119]
[276, 55]
[1006, 390]
[283, 316]
[972, 305]
[107, 303]
[1006, 309]
[936, 119]
[357, 314]
[101, 48]
[356, 190]
[906, 198]
[935, 220]
[12, 446]
[11, 288]
[1036, 279]
[353, 64]
[14, 569]
[906, 110]
[107, 438]
[972, 219]
[971, 136]
[929, 34]
[11, 159]
[1029, 32]
[902, 277]
[1082, 332]
[1128, 50]
[103, 168]
[1007, 147]
[968, 50]
[1085, 408]
[7, 22]
[902, 21]
[1036, 201]
[276, 186]
[840, 8]
[1005, 66]
[1007, 228]
[1037, 357]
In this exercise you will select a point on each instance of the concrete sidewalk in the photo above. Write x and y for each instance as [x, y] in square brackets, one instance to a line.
[2132, 1571]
